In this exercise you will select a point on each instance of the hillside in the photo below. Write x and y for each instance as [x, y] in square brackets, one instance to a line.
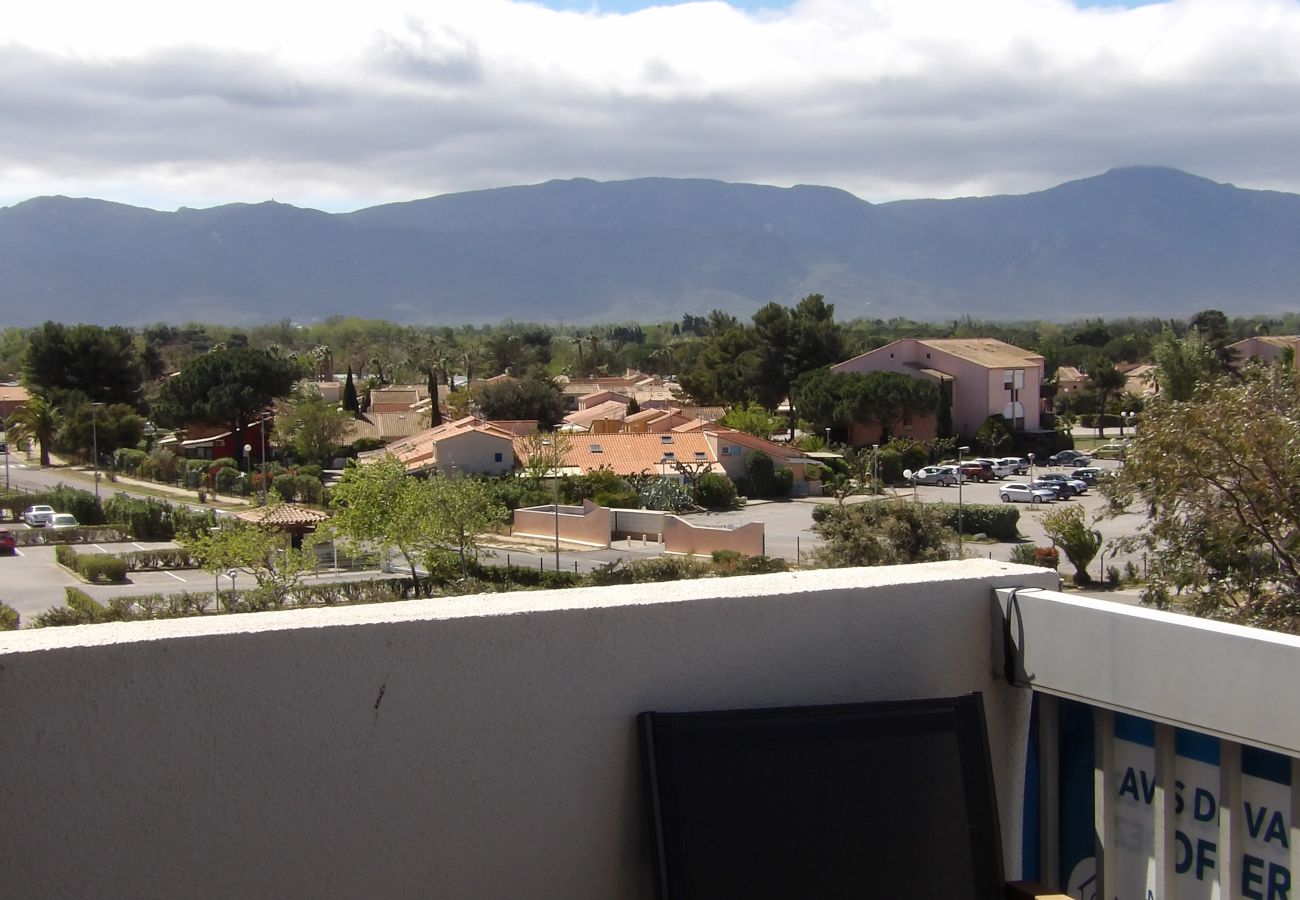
[1137, 240]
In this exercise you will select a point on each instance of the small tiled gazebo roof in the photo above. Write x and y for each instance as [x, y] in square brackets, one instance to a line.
[285, 517]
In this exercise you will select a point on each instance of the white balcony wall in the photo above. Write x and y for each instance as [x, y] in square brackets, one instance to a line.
[482, 747]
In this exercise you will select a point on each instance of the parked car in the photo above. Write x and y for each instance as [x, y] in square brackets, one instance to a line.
[943, 475]
[1018, 492]
[1019, 465]
[63, 520]
[8, 543]
[38, 516]
[1069, 458]
[1110, 451]
[1062, 490]
[1078, 485]
[1088, 474]
[977, 471]
[1000, 468]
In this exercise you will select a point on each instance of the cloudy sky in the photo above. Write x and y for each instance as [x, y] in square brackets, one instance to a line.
[344, 105]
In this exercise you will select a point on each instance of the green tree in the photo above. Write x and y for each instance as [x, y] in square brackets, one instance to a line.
[1069, 531]
[228, 388]
[1183, 363]
[1106, 381]
[311, 425]
[101, 364]
[36, 421]
[882, 533]
[264, 553]
[109, 427]
[993, 434]
[1219, 477]
[527, 398]
[351, 403]
[381, 506]
[752, 418]
[463, 508]
[829, 399]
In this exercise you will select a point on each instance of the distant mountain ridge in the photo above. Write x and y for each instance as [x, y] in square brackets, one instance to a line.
[1133, 241]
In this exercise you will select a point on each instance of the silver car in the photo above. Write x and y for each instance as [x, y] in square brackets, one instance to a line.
[1019, 492]
[942, 475]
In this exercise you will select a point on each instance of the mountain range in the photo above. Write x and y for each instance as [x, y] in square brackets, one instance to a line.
[1132, 241]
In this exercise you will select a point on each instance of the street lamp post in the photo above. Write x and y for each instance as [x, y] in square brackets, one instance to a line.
[94, 445]
[961, 540]
[264, 457]
[7, 442]
[248, 462]
[875, 467]
[1031, 469]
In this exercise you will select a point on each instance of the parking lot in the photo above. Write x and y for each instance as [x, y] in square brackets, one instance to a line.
[32, 582]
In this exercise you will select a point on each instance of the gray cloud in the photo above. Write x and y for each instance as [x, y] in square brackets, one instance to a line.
[824, 95]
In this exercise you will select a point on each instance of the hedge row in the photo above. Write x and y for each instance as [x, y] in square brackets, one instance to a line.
[155, 520]
[98, 534]
[150, 560]
[996, 520]
[94, 567]
[82, 504]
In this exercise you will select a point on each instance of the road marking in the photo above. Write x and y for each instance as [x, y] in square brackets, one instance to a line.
[173, 575]
[137, 546]
[99, 548]
[18, 552]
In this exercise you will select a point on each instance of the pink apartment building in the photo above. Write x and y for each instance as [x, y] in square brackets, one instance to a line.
[983, 377]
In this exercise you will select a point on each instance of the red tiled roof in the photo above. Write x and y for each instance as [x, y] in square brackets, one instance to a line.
[632, 454]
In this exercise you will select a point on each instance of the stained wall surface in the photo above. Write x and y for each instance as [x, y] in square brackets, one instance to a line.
[480, 747]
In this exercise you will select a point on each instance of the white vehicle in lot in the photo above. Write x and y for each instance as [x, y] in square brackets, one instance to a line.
[1018, 492]
[942, 475]
[1019, 465]
[63, 520]
[38, 516]
[999, 466]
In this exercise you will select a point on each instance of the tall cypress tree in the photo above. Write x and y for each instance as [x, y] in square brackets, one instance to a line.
[435, 414]
[350, 401]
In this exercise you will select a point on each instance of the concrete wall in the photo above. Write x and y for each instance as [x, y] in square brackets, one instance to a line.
[476, 452]
[475, 747]
[681, 536]
[586, 524]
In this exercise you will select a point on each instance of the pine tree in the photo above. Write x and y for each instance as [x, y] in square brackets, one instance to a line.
[350, 401]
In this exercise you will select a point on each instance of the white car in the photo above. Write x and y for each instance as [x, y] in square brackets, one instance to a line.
[1018, 492]
[1019, 465]
[38, 516]
[999, 466]
[944, 475]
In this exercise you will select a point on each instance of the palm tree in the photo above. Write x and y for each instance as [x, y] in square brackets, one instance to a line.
[1106, 380]
[36, 420]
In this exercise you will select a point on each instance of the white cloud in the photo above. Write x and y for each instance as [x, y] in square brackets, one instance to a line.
[344, 105]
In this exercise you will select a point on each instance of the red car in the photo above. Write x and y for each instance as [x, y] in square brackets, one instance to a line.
[8, 543]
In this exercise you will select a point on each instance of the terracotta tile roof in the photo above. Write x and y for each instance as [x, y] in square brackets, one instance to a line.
[632, 454]
[386, 426]
[13, 393]
[284, 515]
[780, 451]
[610, 409]
[421, 447]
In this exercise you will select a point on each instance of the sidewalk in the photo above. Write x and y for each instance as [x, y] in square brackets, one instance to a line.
[146, 488]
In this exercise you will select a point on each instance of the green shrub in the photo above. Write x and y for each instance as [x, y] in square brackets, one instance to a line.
[665, 568]
[66, 556]
[891, 465]
[715, 491]
[102, 567]
[167, 558]
[308, 488]
[82, 504]
[996, 520]
[9, 618]
[310, 471]
[227, 478]
[286, 486]
[764, 479]
[626, 499]
[664, 494]
[127, 459]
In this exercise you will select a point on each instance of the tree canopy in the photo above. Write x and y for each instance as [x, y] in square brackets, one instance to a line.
[227, 387]
[99, 363]
[1219, 475]
[527, 398]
